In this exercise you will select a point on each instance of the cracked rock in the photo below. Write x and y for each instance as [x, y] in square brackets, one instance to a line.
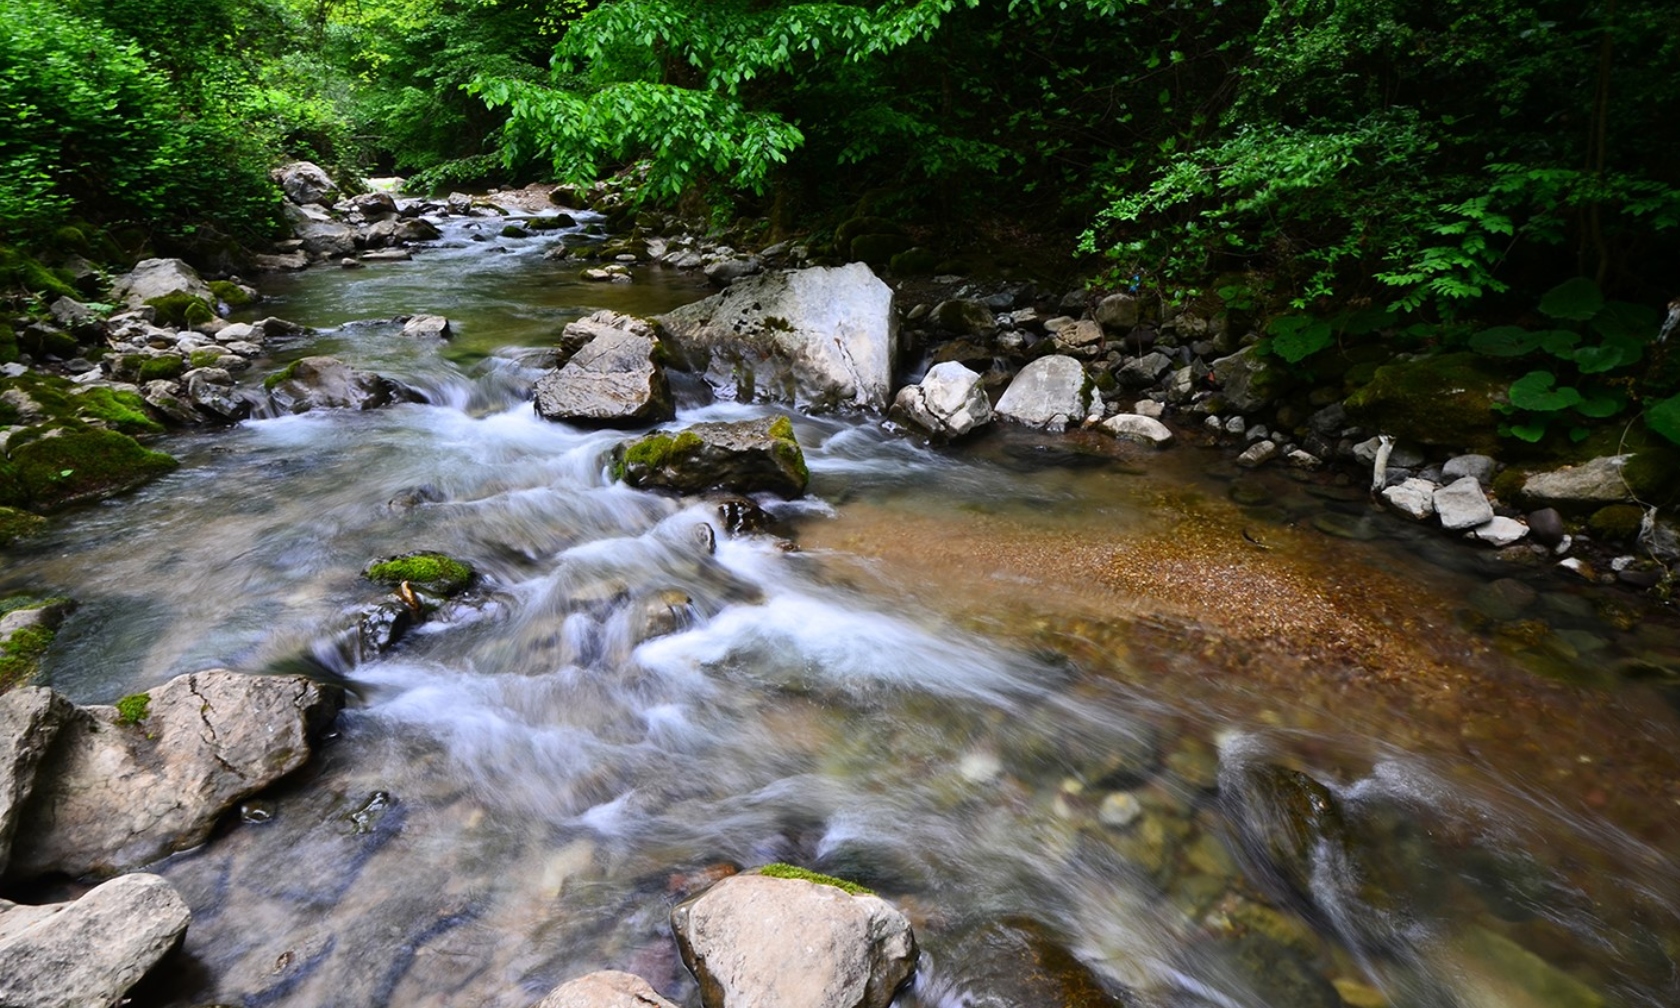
[113, 794]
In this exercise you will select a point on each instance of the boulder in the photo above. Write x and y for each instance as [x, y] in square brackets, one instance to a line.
[1139, 428]
[1414, 498]
[746, 456]
[211, 390]
[30, 718]
[427, 327]
[1083, 338]
[1048, 391]
[948, 402]
[615, 380]
[375, 205]
[1483, 467]
[322, 237]
[122, 787]
[1117, 313]
[1243, 379]
[1444, 400]
[821, 338]
[306, 183]
[1461, 504]
[156, 278]
[329, 383]
[88, 953]
[753, 940]
[963, 318]
[605, 989]
[1142, 372]
[1590, 484]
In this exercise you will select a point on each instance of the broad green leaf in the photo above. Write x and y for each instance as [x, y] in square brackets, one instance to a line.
[1664, 418]
[1578, 434]
[1624, 320]
[1505, 341]
[1578, 300]
[1559, 342]
[1612, 354]
[1534, 391]
[1529, 432]
[1601, 405]
[1297, 337]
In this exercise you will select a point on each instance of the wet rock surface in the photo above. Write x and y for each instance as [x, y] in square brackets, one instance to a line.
[613, 379]
[748, 456]
[329, 383]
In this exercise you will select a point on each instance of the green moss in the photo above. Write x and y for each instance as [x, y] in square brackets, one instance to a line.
[230, 293]
[205, 358]
[20, 655]
[50, 343]
[119, 409]
[1507, 486]
[165, 368]
[84, 465]
[134, 708]
[431, 572]
[878, 249]
[284, 374]
[16, 524]
[788, 448]
[19, 272]
[181, 309]
[782, 429]
[787, 871]
[650, 452]
[1617, 522]
[8, 343]
[914, 262]
[1654, 476]
[1445, 400]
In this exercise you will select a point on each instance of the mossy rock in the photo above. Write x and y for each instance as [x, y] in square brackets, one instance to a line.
[230, 293]
[16, 525]
[1616, 523]
[878, 249]
[20, 273]
[786, 871]
[20, 655]
[1654, 476]
[1445, 400]
[914, 262]
[134, 708]
[742, 457]
[118, 409]
[48, 343]
[433, 573]
[85, 465]
[9, 351]
[181, 309]
[164, 368]
[858, 226]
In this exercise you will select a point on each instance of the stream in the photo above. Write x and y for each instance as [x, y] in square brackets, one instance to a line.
[1229, 738]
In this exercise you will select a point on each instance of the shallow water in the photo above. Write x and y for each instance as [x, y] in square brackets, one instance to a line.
[975, 666]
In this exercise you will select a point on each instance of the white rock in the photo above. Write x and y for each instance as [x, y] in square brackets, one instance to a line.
[1596, 482]
[1142, 429]
[1414, 498]
[1462, 504]
[1500, 531]
[1150, 408]
[1119, 810]
[88, 952]
[948, 401]
[1258, 454]
[605, 989]
[1045, 389]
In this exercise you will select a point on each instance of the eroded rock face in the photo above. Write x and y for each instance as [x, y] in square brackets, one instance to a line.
[615, 379]
[112, 795]
[759, 941]
[30, 718]
[1050, 391]
[91, 951]
[821, 338]
[747, 456]
[155, 278]
[329, 383]
[605, 989]
[949, 401]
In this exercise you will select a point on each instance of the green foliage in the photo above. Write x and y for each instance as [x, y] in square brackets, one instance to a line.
[134, 708]
[432, 572]
[780, 870]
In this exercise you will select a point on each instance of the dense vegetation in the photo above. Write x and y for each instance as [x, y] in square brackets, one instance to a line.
[1342, 167]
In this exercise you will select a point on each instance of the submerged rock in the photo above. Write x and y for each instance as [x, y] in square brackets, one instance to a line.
[88, 952]
[329, 383]
[605, 989]
[948, 402]
[614, 380]
[821, 338]
[792, 943]
[747, 456]
[126, 785]
[1016, 963]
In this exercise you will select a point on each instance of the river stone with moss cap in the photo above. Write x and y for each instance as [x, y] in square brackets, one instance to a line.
[822, 338]
[433, 573]
[151, 279]
[85, 465]
[756, 940]
[1445, 400]
[110, 796]
[746, 456]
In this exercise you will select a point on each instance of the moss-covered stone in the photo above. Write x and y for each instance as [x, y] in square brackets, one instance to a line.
[118, 409]
[181, 309]
[48, 343]
[167, 367]
[230, 293]
[430, 572]
[20, 655]
[1616, 523]
[205, 358]
[85, 465]
[16, 524]
[786, 871]
[914, 262]
[743, 457]
[20, 273]
[284, 374]
[852, 229]
[878, 249]
[1445, 400]
[9, 351]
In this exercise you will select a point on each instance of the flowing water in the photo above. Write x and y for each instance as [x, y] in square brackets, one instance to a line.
[1041, 693]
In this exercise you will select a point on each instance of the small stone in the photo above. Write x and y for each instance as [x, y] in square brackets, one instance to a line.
[1150, 408]
[350, 262]
[1141, 429]
[1414, 498]
[1546, 526]
[1236, 425]
[1482, 467]
[1578, 567]
[1500, 531]
[1258, 454]
[1119, 810]
[1304, 460]
[1462, 504]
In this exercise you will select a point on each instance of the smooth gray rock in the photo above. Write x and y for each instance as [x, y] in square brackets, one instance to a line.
[1596, 482]
[1546, 526]
[1258, 454]
[1117, 313]
[88, 953]
[821, 338]
[1482, 467]
[306, 183]
[614, 380]
[322, 237]
[30, 718]
[110, 796]
[1461, 504]
[757, 942]
[1142, 429]
[1142, 372]
[155, 278]
[1500, 531]
[605, 989]
[949, 401]
[1050, 387]
[1414, 498]
[329, 383]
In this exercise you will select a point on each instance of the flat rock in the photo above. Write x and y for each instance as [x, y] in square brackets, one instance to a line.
[30, 719]
[88, 953]
[1500, 531]
[111, 795]
[1483, 467]
[1414, 498]
[1050, 387]
[155, 278]
[821, 338]
[949, 401]
[759, 941]
[605, 989]
[1590, 483]
[1083, 338]
[1461, 504]
[614, 380]
[1142, 429]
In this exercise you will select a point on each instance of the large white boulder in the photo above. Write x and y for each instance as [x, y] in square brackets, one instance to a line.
[948, 402]
[820, 338]
[1051, 390]
[155, 278]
